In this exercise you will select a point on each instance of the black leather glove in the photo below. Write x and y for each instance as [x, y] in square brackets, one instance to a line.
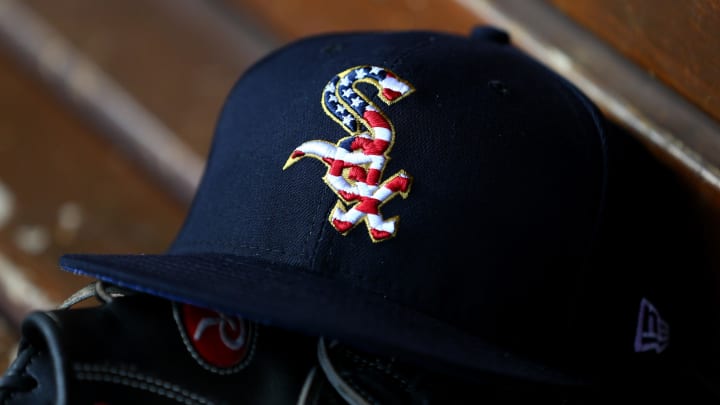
[132, 349]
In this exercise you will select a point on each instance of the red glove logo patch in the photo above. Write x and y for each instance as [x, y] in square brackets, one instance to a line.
[219, 342]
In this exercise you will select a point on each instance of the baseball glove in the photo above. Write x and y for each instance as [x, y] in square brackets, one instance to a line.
[138, 348]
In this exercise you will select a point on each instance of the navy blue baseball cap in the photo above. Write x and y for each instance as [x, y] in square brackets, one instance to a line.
[423, 194]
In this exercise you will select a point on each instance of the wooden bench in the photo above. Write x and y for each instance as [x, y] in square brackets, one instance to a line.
[109, 107]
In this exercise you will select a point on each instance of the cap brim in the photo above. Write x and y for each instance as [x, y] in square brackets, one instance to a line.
[294, 299]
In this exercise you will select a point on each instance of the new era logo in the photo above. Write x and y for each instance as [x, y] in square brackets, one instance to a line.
[652, 333]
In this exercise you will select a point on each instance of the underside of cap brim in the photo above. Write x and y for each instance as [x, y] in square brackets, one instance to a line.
[293, 299]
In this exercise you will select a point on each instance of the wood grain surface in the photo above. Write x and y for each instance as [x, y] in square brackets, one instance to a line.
[177, 59]
[677, 41]
[65, 188]
[291, 19]
[8, 341]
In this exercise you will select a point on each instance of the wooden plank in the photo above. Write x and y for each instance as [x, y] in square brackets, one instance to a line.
[678, 42]
[65, 188]
[176, 58]
[8, 342]
[291, 19]
[153, 74]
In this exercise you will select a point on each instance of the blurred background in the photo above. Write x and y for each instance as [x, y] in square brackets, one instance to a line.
[107, 108]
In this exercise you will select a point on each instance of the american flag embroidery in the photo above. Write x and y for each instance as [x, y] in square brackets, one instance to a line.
[356, 162]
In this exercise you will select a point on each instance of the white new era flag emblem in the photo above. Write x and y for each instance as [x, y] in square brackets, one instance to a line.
[652, 333]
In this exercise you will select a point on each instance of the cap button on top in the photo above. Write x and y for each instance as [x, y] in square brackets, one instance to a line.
[493, 34]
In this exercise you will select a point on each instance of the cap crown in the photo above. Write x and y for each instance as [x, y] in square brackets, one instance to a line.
[488, 166]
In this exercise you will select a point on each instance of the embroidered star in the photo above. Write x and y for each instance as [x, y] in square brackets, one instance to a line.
[348, 92]
[347, 120]
[360, 74]
[332, 99]
[344, 82]
[330, 87]
[340, 109]
[356, 101]
[375, 70]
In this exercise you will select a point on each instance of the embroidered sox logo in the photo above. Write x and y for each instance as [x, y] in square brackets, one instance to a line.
[356, 163]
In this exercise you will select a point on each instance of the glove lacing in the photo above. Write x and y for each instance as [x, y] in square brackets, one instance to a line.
[16, 379]
[350, 395]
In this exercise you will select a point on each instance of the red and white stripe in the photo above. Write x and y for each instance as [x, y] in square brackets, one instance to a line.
[355, 174]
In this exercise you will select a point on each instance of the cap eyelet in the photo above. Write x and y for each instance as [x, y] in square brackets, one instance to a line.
[499, 87]
[332, 48]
